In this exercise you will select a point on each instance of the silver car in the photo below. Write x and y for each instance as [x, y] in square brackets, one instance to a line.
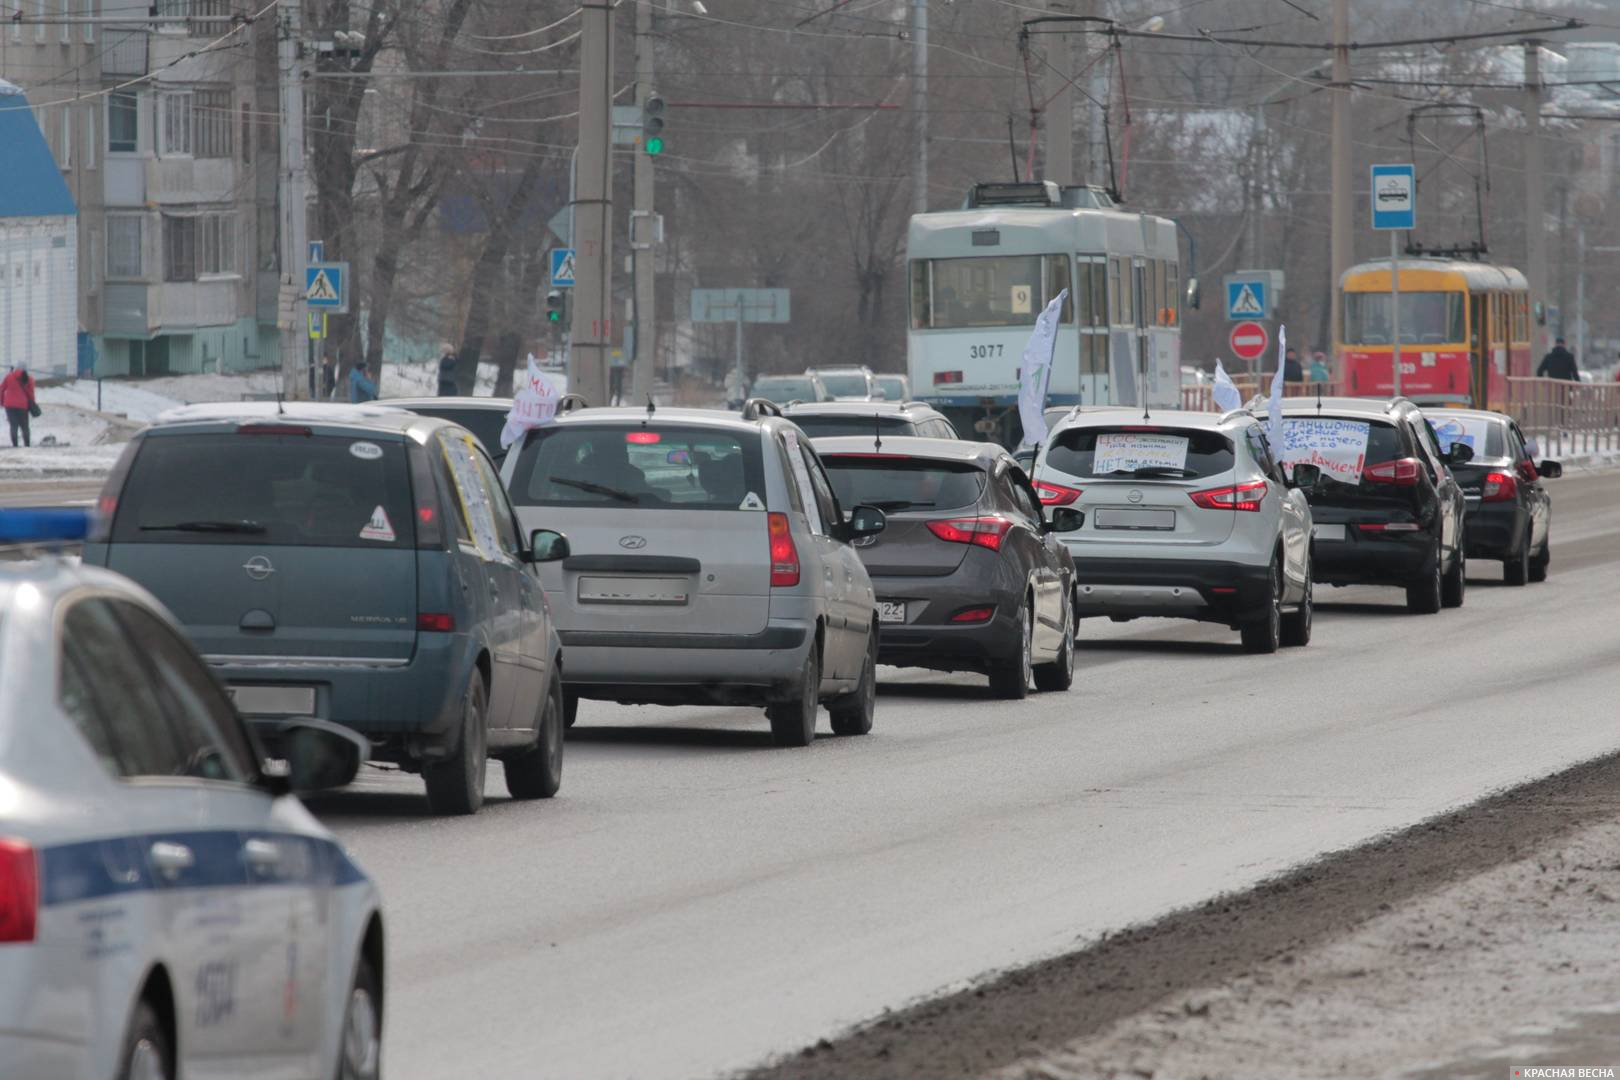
[848, 382]
[709, 563]
[1186, 515]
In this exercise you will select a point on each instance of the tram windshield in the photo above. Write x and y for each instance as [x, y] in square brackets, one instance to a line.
[1427, 318]
[994, 290]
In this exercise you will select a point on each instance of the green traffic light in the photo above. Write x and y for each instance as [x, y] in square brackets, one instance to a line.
[554, 315]
[655, 145]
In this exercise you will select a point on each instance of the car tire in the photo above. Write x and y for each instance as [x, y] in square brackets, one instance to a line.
[1010, 679]
[1059, 674]
[1516, 568]
[360, 1052]
[852, 713]
[1264, 635]
[1296, 625]
[536, 773]
[570, 708]
[456, 784]
[1540, 562]
[793, 719]
[147, 1054]
[1423, 594]
[1454, 587]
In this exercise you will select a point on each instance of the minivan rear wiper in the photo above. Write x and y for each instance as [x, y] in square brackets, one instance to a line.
[596, 489]
[241, 526]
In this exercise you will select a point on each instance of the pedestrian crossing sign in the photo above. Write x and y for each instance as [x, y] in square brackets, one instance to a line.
[324, 287]
[562, 268]
[1245, 300]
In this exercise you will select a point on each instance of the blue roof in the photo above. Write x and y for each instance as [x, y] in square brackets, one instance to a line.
[31, 184]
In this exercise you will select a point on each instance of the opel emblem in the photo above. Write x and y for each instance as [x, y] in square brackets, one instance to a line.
[1134, 496]
[258, 568]
[632, 543]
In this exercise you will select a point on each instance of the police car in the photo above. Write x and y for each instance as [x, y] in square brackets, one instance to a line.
[168, 908]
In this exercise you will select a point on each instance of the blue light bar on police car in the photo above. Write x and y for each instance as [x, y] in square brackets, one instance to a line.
[44, 525]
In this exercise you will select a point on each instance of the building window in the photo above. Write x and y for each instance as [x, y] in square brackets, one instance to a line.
[247, 134]
[89, 129]
[176, 117]
[216, 244]
[92, 8]
[199, 245]
[123, 122]
[179, 248]
[40, 11]
[124, 246]
[64, 32]
[65, 156]
[211, 118]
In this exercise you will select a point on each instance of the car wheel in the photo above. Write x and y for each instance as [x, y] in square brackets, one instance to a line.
[147, 1053]
[1454, 588]
[1539, 564]
[852, 713]
[1059, 674]
[1516, 568]
[360, 1055]
[1264, 635]
[1423, 595]
[570, 708]
[536, 773]
[456, 784]
[1010, 678]
[793, 720]
[1296, 625]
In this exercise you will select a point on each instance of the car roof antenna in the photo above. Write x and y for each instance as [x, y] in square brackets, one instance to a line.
[280, 409]
[1318, 399]
[651, 408]
[877, 433]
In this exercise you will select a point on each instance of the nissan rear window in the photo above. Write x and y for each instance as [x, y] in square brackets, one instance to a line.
[1340, 446]
[1140, 451]
[822, 427]
[640, 467]
[263, 490]
[897, 484]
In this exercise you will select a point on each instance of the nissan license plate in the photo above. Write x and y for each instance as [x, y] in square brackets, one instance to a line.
[891, 611]
[274, 700]
[1135, 519]
[632, 590]
[1327, 532]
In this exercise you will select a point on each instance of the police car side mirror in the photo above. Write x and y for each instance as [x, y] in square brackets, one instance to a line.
[1306, 476]
[321, 754]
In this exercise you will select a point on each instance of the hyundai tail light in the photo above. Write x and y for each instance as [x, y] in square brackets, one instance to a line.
[985, 532]
[784, 555]
[19, 892]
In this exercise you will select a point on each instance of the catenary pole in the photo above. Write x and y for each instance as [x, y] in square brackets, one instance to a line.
[293, 195]
[591, 325]
[1535, 210]
[1341, 244]
[919, 104]
[642, 226]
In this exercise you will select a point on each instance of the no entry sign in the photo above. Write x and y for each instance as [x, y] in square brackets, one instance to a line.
[1248, 340]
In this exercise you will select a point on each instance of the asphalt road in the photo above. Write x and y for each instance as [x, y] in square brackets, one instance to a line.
[696, 901]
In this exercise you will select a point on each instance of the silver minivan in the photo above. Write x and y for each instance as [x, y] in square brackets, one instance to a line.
[710, 562]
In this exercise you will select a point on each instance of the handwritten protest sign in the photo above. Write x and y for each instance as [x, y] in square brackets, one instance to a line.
[1471, 433]
[534, 404]
[1127, 451]
[1337, 447]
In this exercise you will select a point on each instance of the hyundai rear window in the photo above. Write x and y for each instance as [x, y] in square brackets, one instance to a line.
[822, 427]
[263, 490]
[896, 484]
[641, 467]
[1140, 451]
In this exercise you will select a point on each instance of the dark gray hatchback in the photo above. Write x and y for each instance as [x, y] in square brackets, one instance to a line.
[356, 564]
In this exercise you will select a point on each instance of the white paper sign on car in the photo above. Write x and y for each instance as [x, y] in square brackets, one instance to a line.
[1128, 451]
[1337, 447]
[801, 476]
[534, 405]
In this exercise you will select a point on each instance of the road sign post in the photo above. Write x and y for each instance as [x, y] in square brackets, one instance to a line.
[1249, 341]
[741, 306]
[1394, 207]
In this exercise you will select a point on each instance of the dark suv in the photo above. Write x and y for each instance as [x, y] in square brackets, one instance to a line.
[1509, 510]
[1386, 508]
[356, 564]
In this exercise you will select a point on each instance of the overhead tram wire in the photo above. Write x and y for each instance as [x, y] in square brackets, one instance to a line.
[536, 32]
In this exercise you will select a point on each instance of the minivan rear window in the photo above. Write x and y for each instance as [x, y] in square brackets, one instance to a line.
[1162, 451]
[267, 490]
[643, 466]
[894, 483]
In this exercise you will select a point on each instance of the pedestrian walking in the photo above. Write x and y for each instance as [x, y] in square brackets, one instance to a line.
[1292, 372]
[17, 397]
[328, 378]
[361, 387]
[448, 362]
[618, 367]
[1559, 364]
[1319, 368]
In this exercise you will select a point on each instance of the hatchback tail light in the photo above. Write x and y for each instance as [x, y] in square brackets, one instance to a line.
[1241, 497]
[1402, 472]
[438, 622]
[974, 615]
[1055, 494]
[784, 554]
[1499, 487]
[19, 892]
[985, 532]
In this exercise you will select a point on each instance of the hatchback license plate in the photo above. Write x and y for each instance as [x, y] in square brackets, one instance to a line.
[1327, 532]
[891, 611]
[274, 700]
[1135, 519]
[632, 590]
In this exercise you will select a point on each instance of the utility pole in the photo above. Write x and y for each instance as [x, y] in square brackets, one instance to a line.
[1059, 105]
[643, 231]
[919, 104]
[591, 328]
[1097, 172]
[1341, 243]
[293, 196]
[1535, 209]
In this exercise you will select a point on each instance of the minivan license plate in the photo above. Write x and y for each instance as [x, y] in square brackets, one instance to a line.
[632, 590]
[1135, 519]
[274, 700]
[891, 611]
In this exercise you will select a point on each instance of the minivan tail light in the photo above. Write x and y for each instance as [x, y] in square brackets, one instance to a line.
[19, 892]
[1240, 497]
[430, 534]
[985, 532]
[438, 622]
[1055, 494]
[1499, 487]
[1402, 472]
[784, 554]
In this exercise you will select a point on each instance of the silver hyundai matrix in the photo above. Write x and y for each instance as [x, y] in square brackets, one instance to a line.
[709, 563]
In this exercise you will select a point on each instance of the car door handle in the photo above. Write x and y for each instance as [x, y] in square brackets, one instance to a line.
[170, 859]
[262, 854]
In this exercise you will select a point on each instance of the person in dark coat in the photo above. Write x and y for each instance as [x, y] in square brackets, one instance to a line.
[447, 371]
[1559, 364]
[1292, 372]
[17, 396]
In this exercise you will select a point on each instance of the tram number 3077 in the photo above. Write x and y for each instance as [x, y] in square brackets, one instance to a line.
[984, 352]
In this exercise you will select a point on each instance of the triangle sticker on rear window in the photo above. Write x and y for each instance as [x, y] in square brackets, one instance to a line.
[379, 527]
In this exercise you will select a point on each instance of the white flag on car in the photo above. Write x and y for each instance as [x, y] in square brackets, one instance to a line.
[1225, 392]
[1036, 373]
[1274, 404]
[533, 405]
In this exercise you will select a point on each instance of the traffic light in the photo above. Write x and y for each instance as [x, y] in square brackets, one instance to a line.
[652, 125]
[556, 306]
